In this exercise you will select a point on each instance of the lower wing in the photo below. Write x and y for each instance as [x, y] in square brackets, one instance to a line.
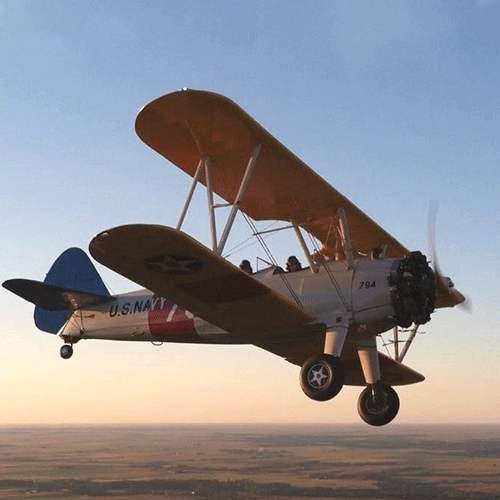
[297, 352]
[175, 266]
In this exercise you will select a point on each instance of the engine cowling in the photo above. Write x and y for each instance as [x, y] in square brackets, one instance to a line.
[413, 290]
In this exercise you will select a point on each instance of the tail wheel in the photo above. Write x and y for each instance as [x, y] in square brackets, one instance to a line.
[66, 351]
[322, 377]
[379, 410]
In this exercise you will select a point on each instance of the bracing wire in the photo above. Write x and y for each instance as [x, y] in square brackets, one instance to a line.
[271, 258]
[385, 344]
[239, 247]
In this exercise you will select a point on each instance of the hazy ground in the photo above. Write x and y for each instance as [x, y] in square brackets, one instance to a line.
[229, 462]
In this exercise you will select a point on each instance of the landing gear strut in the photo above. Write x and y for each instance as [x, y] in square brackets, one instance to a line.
[322, 377]
[378, 404]
[66, 351]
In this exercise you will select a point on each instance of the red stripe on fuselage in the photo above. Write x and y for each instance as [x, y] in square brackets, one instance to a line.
[167, 320]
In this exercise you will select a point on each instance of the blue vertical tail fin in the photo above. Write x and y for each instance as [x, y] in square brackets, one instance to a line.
[73, 270]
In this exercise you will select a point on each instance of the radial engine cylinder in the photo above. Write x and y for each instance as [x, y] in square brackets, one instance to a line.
[413, 290]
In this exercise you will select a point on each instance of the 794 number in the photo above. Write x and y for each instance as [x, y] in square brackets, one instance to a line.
[367, 284]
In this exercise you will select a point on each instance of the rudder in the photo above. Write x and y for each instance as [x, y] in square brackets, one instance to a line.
[73, 270]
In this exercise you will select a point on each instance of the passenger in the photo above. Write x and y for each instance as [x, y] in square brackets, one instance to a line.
[245, 266]
[293, 264]
[318, 258]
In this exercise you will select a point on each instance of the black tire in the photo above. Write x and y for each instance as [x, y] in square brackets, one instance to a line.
[66, 351]
[322, 377]
[378, 413]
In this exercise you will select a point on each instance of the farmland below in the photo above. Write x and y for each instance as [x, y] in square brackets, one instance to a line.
[252, 461]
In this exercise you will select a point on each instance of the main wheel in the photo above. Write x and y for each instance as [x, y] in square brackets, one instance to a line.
[66, 351]
[379, 412]
[322, 377]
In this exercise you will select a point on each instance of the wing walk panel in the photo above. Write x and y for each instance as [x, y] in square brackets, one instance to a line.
[224, 289]
[188, 125]
[175, 266]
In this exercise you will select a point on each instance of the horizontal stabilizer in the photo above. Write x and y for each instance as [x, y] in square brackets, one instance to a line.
[72, 283]
[54, 298]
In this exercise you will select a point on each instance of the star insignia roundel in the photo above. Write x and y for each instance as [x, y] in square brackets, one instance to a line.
[172, 264]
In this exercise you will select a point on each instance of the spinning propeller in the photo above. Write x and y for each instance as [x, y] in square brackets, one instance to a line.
[446, 294]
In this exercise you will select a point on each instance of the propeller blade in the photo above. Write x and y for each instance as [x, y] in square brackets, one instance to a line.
[446, 294]
[466, 304]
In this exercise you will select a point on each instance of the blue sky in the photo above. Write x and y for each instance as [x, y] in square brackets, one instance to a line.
[394, 103]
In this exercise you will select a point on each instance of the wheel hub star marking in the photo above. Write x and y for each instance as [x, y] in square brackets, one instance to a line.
[317, 376]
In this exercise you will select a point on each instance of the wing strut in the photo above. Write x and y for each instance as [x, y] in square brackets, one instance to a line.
[239, 197]
[346, 237]
[210, 199]
[190, 195]
[205, 164]
[395, 332]
[307, 254]
[413, 332]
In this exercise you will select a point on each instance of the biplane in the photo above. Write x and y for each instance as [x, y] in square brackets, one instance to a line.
[359, 283]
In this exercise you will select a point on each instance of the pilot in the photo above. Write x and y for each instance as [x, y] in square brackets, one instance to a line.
[245, 266]
[293, 264]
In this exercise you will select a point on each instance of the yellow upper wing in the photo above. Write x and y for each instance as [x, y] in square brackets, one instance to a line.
[188, 125]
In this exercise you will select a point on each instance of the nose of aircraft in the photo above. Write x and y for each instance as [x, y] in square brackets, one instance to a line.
[413, 290]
